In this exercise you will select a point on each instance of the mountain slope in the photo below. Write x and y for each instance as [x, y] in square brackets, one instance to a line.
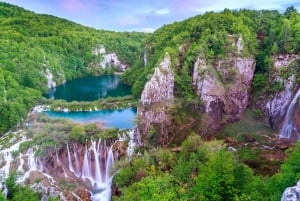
[213, 58]
[34, 46]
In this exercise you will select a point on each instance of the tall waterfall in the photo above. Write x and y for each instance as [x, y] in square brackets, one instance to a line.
[97, 160]
[290, 129]
[145, 59]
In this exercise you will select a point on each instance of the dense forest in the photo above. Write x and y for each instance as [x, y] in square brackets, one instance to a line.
[31, 44]
[265, 33]
[207, 170]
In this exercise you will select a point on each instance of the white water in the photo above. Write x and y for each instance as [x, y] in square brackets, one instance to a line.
[77, 165]
[288, 127]
[92, 164]
[6, 155]
[70, 160]
[96, 164]
[145, 59]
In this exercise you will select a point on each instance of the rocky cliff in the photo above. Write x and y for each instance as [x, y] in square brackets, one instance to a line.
[110, 60]
[156, 99]
[224, 88]
[274, 105]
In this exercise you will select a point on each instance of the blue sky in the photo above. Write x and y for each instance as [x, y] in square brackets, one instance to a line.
[140, 15]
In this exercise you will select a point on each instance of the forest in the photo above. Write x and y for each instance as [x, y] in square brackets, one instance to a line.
[32, 43]
[265, 33]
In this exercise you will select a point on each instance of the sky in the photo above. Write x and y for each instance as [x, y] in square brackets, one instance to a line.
[140, 15]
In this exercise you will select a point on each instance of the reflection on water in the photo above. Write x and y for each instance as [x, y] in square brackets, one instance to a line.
[90, 88]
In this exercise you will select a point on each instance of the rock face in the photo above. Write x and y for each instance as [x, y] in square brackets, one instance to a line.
[156, 98]
[291, 193]
[108, 59]
[275, 105]
[50, 82]
[290, 128]
[224, 88]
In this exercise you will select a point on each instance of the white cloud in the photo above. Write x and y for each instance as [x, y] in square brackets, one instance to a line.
[163, 11]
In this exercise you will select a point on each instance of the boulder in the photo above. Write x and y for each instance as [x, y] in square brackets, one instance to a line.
[291, 193]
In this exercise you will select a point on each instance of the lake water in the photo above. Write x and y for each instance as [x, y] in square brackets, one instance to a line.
[90, 88]
[121, 119]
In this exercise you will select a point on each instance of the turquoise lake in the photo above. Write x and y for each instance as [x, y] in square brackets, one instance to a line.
[90, 88]
[121, 119]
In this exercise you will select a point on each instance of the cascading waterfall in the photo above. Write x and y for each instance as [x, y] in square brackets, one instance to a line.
[289, 128]
[91, 162]
[86, 173]
[70, 160]
[77, 165]
[145, 59]
[96, 164]
[6, 155]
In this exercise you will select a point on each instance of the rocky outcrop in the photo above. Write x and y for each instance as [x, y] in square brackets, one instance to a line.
[290, 128]
[224, 89]
[156, 98]
[275, 105]
[108, 59]
[291, 193]
[50, 82]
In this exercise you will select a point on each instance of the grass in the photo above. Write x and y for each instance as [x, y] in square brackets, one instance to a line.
[250, 126]
[251, 134]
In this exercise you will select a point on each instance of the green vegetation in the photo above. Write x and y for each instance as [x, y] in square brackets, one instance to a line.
[47, 133]
[201, 171]
[31, 44]
[211, 35]
[17, 192]
[105, 103]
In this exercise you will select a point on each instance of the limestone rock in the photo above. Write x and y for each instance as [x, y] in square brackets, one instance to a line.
[50, 82]
[108, 59]
[224, 88]
[291, 193]
[161, 85]
[157, 97]
[275, 105]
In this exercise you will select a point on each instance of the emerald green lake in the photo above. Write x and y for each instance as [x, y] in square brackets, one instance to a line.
[90, 88]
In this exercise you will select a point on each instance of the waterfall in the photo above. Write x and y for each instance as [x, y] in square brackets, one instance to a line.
[20, 168]
[98, 177]
[86, 173]
[32, 165]
[70, 160]
[145, 59]
[289, 128]
[109, 162]
[97, 160]
[57, 159]
[76, 161]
